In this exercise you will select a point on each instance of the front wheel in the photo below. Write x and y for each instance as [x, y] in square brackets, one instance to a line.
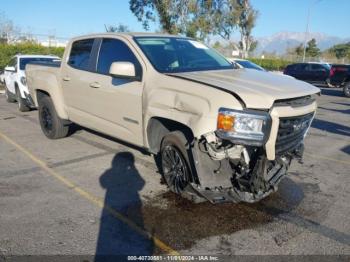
[174, 161]
[9, 96]
[51, 124]
[347, 89]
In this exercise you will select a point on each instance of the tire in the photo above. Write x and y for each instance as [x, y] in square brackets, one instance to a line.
[22, 106]
[52, 126]
[347, 89]
[9, 96]
[175, 162]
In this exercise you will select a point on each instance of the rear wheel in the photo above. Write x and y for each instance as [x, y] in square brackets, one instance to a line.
[22, 106]
[51, 124]
[347, 89]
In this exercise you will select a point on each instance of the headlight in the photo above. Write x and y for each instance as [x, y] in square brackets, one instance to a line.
[246, 127]
[23, 80]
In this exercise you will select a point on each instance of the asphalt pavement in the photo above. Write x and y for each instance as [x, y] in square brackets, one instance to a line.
[90, 194]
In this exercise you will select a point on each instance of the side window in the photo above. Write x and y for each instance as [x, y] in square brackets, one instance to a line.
[80, 54]
[302, 67]
[114, 50]
[306, 67]
[315, 67]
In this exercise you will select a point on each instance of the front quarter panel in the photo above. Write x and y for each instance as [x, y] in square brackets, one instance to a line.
[192, 104]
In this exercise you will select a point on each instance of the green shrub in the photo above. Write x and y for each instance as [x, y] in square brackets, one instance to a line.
[271, 64]
[8, 51]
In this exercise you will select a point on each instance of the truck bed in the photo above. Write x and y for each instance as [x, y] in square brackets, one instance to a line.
[43, 76]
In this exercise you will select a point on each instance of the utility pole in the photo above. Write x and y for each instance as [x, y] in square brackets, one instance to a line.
[307, 26]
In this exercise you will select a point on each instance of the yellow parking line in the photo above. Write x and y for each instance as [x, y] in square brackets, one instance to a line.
[93, 199]
[328, 158]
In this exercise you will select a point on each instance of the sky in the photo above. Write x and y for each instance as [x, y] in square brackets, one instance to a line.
[64, 18]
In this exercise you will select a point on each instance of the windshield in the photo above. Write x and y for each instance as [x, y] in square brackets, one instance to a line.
[248, 64]
[173, 55]
[24, 61]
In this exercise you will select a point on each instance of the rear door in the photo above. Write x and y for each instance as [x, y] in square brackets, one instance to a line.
[318, 73]
[76, 76]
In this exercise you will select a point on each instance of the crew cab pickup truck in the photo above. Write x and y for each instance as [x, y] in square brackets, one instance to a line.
[222, 134]
[15, 79]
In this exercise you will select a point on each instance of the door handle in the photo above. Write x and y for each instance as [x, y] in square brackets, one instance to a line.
[66, 78]
[95, 85]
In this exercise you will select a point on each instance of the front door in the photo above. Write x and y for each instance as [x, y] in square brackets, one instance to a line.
[117, 102]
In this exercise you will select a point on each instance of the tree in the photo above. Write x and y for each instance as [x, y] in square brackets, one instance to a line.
[121, 28]
[217, 45]
[194, 18]
[246, 18]
[8, 31]
[312, 49]
[341, 50]
[172, 14]
[253, 46]
[299, 50]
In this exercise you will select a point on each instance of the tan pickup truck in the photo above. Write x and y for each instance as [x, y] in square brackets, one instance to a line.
[222, 134]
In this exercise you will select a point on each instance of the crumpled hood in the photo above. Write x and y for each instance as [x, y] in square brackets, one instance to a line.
[257, 89]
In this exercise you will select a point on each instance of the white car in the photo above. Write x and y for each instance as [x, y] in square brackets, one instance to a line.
[15, 79]
[2, 77]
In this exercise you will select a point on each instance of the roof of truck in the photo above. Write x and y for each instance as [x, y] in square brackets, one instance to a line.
[39, 56]
[129, 34]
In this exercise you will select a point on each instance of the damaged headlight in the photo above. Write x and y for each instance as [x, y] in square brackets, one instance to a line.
[248, 127]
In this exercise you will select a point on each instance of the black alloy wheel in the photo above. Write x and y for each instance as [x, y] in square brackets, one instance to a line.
[175, 169]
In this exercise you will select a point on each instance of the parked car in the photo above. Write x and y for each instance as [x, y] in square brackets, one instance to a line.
[2, 77]
[346, 89]
[243, 63]
[15, 79]
[339, 75]
[314, 73]
[222, 134]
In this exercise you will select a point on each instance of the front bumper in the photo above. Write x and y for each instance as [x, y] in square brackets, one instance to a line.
[236, 180]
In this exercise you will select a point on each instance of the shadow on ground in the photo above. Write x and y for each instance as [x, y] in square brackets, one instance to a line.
[332, 92]
[122, 183]
[331, 127]
[343, 111]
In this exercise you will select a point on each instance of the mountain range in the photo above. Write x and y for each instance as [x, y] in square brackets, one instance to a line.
[280, 42]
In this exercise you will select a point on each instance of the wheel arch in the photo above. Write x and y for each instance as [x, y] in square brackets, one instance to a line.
[59, 107]
[158, 127]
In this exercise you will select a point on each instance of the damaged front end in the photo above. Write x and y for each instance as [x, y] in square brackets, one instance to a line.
[231, 163]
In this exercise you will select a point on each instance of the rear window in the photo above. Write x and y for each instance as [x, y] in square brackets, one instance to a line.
[80, 54]
[24, 61]
[318, 67]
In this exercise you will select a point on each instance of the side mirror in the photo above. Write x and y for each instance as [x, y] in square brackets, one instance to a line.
[123, 70]
[10, 68]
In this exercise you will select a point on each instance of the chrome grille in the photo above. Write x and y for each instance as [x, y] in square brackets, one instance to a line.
[291, 132]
